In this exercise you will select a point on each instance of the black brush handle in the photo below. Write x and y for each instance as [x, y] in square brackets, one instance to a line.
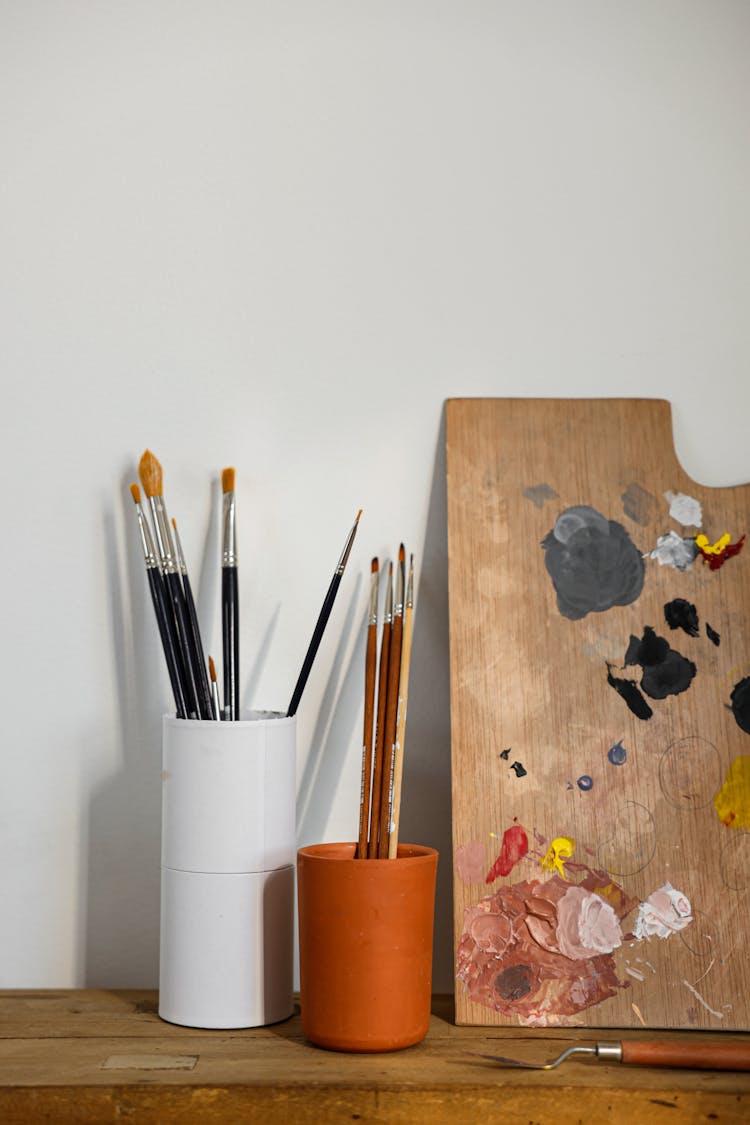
[200, 671]
[163, 616]
[179, 610]
[230, 635]
[312, 649]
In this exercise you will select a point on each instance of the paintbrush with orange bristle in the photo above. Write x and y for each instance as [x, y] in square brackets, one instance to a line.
[379, 759]
[322, 621]
[230, 602]
[391, 706]
[214, 688]
[161, 607]
[365, 796]
[196, 648]
[150, 473]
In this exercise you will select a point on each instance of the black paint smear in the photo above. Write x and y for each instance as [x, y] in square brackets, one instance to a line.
[505, 754]
[520, 771]
[514, 982]
[630, 693]
[713, 635]
[741, 704]
[665, 671]
[682, 614]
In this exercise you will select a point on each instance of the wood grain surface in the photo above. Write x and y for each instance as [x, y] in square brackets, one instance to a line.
[96, 1056]
[529, 685]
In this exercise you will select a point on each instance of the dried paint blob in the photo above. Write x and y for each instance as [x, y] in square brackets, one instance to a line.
[712, 635]
[675, 551]
[665, 671]
[505, 754]
[732, 802]
[716, 554]
[665, 912]
[561, 848]
[542, 950]
[585, 782]
[630, 692]
[682, 614]
[690, 773]
[518, 769]
[617, 753]
[638, 504]
[684, 509]
[514, 847]
[538, 493]
[592, 562]
[740, 704]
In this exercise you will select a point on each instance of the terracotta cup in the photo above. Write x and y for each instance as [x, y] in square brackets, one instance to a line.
[365, 943]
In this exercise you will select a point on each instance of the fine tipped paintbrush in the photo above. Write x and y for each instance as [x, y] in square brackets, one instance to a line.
[378, 765]
[196, 648]
[214, 689]
[161, 607]
[230, 600]
[322, 620]
[150, 473]
[370, 672]
[391, 706]
[403, 693]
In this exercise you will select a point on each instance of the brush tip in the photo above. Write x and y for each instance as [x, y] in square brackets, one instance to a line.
[173, 521]
[227, 480]
[135, 492]
[149, 470]
[401, 554]
[212, 669]
[390, 569]
[359, 513]
[374, 566]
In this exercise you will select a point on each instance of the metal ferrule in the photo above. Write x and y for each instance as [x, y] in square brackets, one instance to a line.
[146, 541]
[609, 1052]
[229, 543]
[410, 585]
[372, 618]
[163, 535]
[399, 610]
[178, 551]
[388, 615]
[347, 549]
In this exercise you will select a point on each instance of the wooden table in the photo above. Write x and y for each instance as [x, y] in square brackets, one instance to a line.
[98, 1056]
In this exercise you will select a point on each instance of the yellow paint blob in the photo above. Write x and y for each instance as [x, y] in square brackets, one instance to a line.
[732, 802]
[561, 848]
[702, 543]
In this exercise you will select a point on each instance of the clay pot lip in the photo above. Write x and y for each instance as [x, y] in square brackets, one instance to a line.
[343, 852]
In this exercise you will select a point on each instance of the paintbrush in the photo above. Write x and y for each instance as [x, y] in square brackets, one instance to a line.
[692, 1056]
[322, 621]
[230, 602]
[377, 771]
[150, 473]
[161, 607]
[391, 706]
[370, 673]
[214, 689]
[196, 648]
[403, 693]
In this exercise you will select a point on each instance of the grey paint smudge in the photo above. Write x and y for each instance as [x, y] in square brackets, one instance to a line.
[538, 493]
[684, 509]
[592, 562]
[672, 550]
[638, 504]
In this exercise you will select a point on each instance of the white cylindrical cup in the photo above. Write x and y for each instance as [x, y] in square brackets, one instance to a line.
[228, 854]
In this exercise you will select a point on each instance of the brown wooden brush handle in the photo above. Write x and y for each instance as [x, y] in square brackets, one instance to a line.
[698, 1056]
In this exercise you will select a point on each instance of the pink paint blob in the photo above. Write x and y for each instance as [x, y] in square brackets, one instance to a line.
[471, 860]
[514, 847]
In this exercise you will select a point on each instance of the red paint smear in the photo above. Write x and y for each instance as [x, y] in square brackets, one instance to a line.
[514, 847]
[731, 549]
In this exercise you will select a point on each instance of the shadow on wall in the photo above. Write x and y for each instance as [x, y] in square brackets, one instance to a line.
[122, 840]
[426, 794]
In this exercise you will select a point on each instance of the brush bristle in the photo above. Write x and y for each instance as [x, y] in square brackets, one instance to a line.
[227, 480]
[135, 492]
[212, 669]
[374, 566]
[173, 521]
[401, 554]
[149, 470]
[359, 513]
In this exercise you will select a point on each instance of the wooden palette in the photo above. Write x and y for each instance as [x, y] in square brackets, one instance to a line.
[560, 645]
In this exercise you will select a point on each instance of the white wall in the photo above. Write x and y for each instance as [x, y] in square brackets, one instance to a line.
[278, 235]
